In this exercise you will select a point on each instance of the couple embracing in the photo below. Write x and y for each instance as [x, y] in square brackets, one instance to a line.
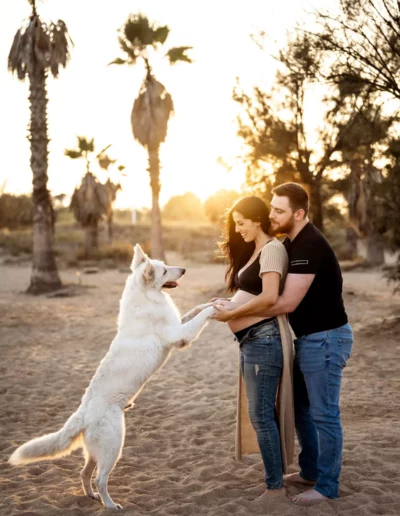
[297, 282]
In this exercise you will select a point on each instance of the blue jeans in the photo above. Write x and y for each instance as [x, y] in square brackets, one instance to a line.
[261, 362]
[317, 376]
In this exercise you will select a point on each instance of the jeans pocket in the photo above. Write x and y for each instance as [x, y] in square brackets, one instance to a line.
[345, 346]
[265, 351]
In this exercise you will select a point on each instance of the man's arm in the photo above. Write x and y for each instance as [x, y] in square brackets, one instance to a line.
[296, 287]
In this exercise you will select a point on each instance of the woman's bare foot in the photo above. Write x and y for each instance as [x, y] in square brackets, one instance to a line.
[310, 497]
[296, 478]
[271, 494]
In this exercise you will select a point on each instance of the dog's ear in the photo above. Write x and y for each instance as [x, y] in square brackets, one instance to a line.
[139, 257]
[149, 273]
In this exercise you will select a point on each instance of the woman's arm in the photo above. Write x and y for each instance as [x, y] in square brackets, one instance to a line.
[267, 298]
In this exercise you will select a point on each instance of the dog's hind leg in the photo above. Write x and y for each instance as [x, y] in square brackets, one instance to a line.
[106, 448]
[86, 477]
[105, 466]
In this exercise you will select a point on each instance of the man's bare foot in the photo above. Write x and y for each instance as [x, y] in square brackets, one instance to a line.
[296, 478]
[271, 494]
[310, 497]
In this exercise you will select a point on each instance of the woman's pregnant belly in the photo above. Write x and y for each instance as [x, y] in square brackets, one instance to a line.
[239, 323]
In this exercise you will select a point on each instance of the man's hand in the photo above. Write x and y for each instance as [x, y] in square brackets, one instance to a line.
[223, 314]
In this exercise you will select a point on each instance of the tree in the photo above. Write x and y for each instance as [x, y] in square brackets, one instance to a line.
[217, 204]
[153, 107]
[38, 49]
[105, 162]
[92, 200]
[363, 38]
[184, 207]
[363, 42]
[273, 126]
[359, 153]
[387, 195]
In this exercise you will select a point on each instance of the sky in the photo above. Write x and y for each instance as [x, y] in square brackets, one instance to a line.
[95, 100]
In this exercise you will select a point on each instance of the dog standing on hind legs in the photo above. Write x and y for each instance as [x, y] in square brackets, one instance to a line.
[149, 327]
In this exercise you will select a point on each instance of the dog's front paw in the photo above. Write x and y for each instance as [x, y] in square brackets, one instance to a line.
[210, 311]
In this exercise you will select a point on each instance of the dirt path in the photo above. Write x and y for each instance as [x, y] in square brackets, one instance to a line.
[179, 452]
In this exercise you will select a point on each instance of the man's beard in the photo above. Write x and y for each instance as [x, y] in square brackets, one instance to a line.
[284, 229]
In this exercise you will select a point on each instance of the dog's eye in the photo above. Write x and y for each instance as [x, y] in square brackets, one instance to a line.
[165, 272]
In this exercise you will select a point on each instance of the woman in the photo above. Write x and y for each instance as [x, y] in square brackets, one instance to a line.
[256, 273]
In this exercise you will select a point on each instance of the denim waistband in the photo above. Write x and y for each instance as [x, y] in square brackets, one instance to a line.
[241, 333]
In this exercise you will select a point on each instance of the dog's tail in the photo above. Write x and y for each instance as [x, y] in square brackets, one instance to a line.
[51, 446]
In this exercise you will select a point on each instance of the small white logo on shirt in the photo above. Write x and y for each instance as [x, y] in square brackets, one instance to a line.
[299, 262]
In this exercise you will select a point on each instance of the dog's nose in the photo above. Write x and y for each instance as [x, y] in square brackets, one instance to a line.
[183, 270]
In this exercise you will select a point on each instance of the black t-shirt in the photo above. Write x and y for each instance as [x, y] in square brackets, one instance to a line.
[322, 307]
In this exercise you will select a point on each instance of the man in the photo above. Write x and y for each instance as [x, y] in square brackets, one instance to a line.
[313, 299]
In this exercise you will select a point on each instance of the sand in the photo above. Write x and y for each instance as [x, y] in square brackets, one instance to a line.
[179, 450]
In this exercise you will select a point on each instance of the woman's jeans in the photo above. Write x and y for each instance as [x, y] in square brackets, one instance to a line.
[261, 362]
[319, 361]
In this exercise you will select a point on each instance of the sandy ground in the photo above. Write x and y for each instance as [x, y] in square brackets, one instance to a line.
[179, 451]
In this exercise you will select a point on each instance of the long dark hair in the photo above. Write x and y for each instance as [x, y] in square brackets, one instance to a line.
[235, 249]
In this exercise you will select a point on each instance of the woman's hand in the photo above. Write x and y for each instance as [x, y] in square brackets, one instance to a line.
[223, 314]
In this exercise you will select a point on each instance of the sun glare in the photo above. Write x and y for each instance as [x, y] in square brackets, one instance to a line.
[95, 100]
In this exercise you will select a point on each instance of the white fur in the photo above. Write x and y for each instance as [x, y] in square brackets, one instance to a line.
[149, 327]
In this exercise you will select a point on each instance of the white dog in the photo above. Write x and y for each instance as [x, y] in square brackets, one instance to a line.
[149, 327]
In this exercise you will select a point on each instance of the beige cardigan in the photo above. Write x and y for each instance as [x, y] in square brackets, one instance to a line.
[273, 258]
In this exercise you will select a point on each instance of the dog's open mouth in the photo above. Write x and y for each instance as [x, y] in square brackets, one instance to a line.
[170, 284]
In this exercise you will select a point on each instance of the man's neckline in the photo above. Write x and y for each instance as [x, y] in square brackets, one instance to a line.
[300, 232]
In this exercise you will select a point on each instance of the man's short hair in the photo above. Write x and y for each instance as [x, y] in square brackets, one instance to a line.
[297, 195]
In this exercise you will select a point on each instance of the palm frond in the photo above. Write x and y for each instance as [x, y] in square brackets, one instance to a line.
[73, 154]
[91, 201]
[105, 161]
[160, 34]
[85, 144]
[150, 114]
[39, 46]
[137, 30]
[117, 61]
[104, 150]
[177, 54]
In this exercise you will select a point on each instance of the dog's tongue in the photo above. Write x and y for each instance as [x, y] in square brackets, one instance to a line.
[171, 284]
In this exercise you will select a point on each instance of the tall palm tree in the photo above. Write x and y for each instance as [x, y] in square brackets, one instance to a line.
[38, 49]
[153, 107]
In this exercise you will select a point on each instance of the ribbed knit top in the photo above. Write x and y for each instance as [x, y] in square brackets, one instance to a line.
[273, 258]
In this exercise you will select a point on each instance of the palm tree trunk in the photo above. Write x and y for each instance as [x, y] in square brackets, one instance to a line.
[91, 238]
[44, 276]
[157, 249]
[110, 227]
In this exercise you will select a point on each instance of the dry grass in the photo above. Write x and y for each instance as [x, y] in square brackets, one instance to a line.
[192, 241]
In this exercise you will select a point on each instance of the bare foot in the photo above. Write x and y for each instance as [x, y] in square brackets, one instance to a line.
[271, 494]
[310, 497]
[296, 478]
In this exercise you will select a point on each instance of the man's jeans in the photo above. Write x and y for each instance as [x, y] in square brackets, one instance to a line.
[261, 362]
[319, 361]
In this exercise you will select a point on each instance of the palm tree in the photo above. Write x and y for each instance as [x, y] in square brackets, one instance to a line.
[39, 49]
[104, 162]
[153, 106]
[92, 200]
